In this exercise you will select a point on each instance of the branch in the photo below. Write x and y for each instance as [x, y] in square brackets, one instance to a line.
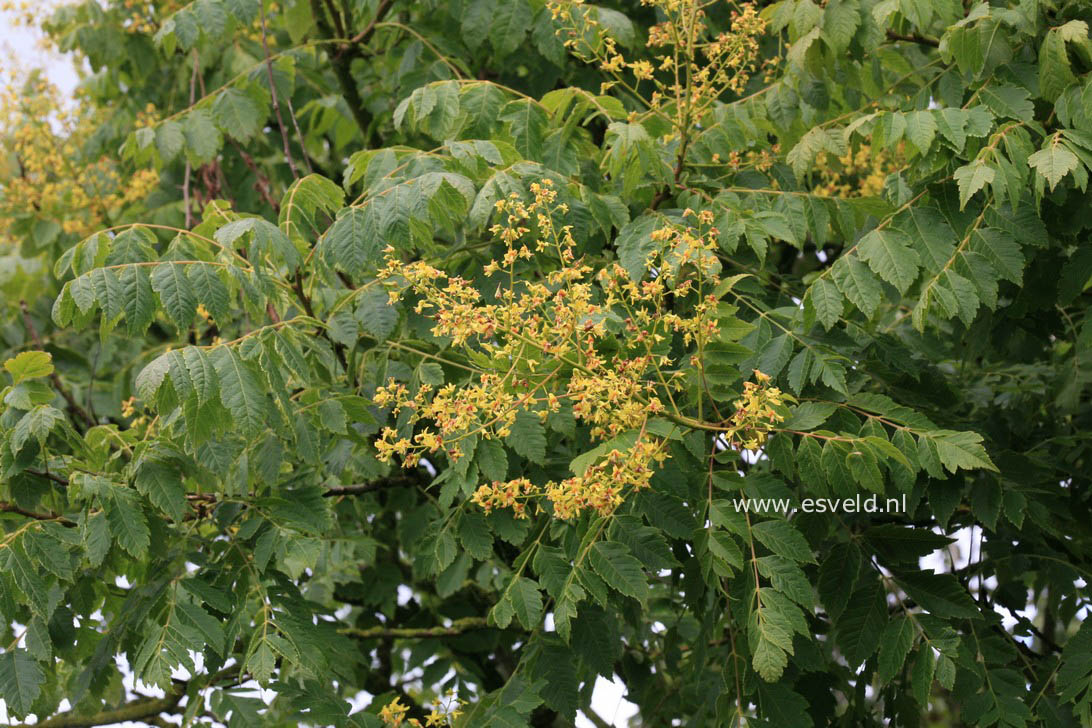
[362, 36]
[459, 626]
[12, 508]
[137, 710]
[362, 488]
[73, 405]
[48, 476]
[342, 66]
[143, 709]
[273, 95]
[594, 718]
[914, 38]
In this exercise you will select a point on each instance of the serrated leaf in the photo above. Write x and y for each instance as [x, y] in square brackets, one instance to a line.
[889, 254]
[528, 437]
[240, 390]
[176, 293]
[618, 567]
[21, 680]
[895, 644]
[971, 178]
[1053, 162]
[29, 365]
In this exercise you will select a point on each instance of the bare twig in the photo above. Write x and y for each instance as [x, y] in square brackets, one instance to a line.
[186, 179]
[273, 95]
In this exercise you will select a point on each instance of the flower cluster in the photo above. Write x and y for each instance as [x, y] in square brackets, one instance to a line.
[557, 335]
[443, 713]
[45, 171]
[860, 173]
[690, 65]
[756, 413]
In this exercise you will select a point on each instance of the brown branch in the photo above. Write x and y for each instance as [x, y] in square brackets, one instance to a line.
[73, 406]
[362, 488]
[914, 38]
[48, 476]
[138, 710]
[342, 64]
[186, 206]
[12, 508]
[458, 627]
[143, 709]
[273, 95]
[362, 36]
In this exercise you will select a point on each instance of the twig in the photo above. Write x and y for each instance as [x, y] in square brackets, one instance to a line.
[459, 626]
[362, 488]
[914, 38]
[363, 35]
[12, 508]
[73, 406]
[342, 65]
[48, 476]
[273, 95]
[186, 179]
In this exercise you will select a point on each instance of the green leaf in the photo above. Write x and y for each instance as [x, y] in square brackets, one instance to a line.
[961, 450]
[940, 594]
[352, 244]
[1053, 162]
[176, 293]
[828, 302]
[139, 299]
[127, 521]
[509, 25]
[860, 626]
[858, 284]
[240, 390]
[921, 129]
[888, 252]
[203, 139]
[161, 484]
[618, 567]
[209, 290]
[526, 601]
[29, 365]
[237, 114]
[528, 437]
[21, 681]
[783, 539]
[971, 178]
[37, 424]
[1055, 73]
[895, 644]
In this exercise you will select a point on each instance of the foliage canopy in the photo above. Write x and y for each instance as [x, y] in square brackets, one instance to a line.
[427, 349]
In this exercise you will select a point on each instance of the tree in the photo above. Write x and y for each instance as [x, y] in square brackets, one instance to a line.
[460, 353]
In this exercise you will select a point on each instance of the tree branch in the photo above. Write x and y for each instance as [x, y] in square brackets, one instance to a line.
[137, 710]
[914, 38]
[362, 36]
[143, 709]
[362, 488]
[458, 627]
[342, 65]
[12, 508]
[48, 476]
[73, 406]
[273, 95]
